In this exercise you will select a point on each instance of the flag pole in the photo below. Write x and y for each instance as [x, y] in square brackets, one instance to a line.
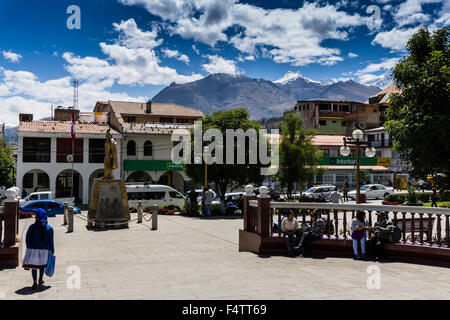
[73, 160]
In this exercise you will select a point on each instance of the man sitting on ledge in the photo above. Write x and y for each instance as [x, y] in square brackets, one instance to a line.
[315, 232]
[289, 226]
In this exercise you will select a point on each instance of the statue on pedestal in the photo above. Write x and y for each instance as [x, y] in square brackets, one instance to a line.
[110, 161]
[109, 201]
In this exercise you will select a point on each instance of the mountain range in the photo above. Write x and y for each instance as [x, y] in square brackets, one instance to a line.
[261, 97]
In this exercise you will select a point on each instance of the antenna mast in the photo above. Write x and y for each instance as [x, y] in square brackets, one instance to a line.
[75, 93]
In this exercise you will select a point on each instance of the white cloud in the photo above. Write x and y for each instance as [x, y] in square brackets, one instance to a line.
[176, 54]
[352, 55]
[130, 60]
[220, 65]
[11, 56]
[195, 49]
[395, 39]
[410, 12]
[377, 74]
[290, 36]
[23, 92]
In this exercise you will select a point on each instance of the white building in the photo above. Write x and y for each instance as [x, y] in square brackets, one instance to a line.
[43, 147]
[146, 128]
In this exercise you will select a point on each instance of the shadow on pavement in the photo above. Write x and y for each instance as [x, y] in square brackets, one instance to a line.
[25, 291]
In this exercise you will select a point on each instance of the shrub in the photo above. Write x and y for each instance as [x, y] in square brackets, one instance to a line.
[400, 198]
[444, 196]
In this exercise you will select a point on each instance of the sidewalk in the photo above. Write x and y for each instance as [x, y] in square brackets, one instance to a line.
[192, 258]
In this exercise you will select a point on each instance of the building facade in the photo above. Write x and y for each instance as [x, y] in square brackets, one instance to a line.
[43, 147]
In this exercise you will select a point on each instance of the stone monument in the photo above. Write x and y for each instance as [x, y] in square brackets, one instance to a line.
[109, 201]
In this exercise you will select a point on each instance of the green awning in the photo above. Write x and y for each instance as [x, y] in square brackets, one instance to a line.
[152, 165]
[351, 161]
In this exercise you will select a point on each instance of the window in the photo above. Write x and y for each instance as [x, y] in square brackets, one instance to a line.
[28, 180]
[324, 107]
[54, 205]
[174, 194]
[148, 148]
[326, 152]
[64, 148]
[343, 123]
[166, 120]
[131, 148]
[130, 119]
[334, 121]
[36, 149]
[43, 180]
[33, 197]
[322, 122]
[96, 150]
[344, 108]
[44, 196]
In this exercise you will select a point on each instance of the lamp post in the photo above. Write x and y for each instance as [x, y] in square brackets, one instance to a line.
[205, 152]
[357, 140]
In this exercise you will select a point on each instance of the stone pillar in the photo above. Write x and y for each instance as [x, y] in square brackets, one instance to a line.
[247, 197]
[11, 224]
[263, 215]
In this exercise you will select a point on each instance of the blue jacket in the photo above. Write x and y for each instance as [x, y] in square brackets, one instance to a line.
[35, 241]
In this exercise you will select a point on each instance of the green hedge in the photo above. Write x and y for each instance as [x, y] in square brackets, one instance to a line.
[403, 197]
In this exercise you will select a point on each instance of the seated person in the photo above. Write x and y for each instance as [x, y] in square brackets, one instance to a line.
[315, 232]
[289, 226]
[382, 234]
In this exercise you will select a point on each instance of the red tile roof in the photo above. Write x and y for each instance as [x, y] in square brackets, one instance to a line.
[64, 127]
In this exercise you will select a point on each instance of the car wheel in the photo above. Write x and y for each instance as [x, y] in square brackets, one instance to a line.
[385, 195]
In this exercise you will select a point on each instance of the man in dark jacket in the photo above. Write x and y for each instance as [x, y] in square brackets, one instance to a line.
[193, 206]
[381, 232]
[315, 232]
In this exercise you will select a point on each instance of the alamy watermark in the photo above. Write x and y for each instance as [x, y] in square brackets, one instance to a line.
[234, 143]
[74, 20]
[374, 280]
[74, 279]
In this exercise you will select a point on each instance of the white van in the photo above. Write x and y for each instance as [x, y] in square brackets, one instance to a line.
[152, 194]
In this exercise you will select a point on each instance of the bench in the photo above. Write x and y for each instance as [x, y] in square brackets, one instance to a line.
[427, 225]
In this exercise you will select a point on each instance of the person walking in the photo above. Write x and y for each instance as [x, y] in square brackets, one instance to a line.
[40, 243]
[289, 226]
[345, 190]
[359, 227]
[335, 196]
[193, 206]
[434, 198]
[208, 201]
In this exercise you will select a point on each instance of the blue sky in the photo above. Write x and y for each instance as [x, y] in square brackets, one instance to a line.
[131, 49]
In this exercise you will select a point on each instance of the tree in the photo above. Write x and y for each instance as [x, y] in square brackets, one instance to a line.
[298, 154]
[419, 117]
[6, 164]
[224, 174]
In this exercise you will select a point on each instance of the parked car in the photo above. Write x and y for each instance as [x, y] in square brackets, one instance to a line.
[43, 195]
[152, 194]
[51, 207]
[325, 190]
[372, 191]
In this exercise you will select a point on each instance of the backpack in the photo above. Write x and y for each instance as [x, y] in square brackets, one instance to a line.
[395, 234]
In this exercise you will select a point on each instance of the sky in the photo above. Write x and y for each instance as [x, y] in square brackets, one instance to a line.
[132, 49]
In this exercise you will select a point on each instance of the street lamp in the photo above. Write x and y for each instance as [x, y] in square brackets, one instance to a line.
[357, 140]
[205, 152]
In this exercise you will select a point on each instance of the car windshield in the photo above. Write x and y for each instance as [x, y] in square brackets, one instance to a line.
[311, 190]
[364, 187]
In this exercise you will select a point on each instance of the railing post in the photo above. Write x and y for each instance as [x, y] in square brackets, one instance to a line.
[421, 227]
[66, 212]
[447, 230]
[404, 226]
[155, 217]
[336, 223]
[329, 224]
[10, 216]
[263, 214]
[70, 220]
[247, 197]
[438, 229]
[430, 230]
[413, 227]
[344, 224]
[139, 212]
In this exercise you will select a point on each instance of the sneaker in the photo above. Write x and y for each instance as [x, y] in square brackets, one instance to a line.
[34, 286]
[357, 257]
[364, 257]
[41, 283]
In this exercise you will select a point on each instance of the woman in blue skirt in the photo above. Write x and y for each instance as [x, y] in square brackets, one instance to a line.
[39, 241]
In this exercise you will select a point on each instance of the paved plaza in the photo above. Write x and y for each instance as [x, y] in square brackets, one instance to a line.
[193, 258]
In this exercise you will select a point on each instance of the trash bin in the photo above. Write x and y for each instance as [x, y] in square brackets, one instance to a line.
[362, 197]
